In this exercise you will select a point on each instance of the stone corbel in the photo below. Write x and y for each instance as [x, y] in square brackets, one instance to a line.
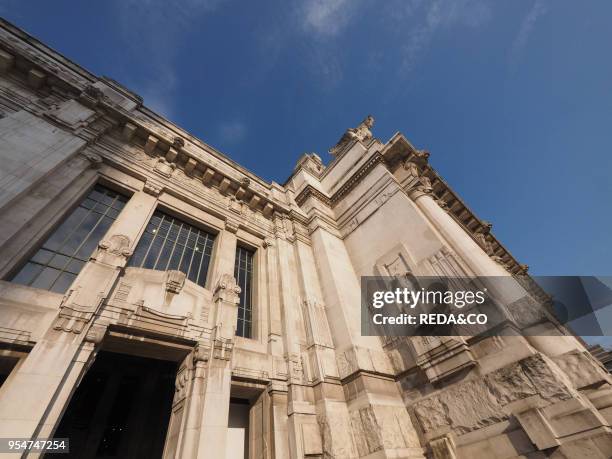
[164, 168]
[227, 290]
[6, 61]
[418, 185]
[128, 132]
[96, 333]
[201, 352]
[267, 242]
[91, 96]
[94, 159]
[36, 78]
[114, 250]
[152, 188]
[178, 142]
[223, 348]
[175, 280]
[151, 145]
[231, 226]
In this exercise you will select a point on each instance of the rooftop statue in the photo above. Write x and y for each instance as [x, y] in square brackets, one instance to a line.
[361, 132]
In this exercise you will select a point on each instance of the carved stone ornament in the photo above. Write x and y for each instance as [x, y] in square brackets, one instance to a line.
[227, 282]
[164, 168]
[201, 352]
[267, 242]
[223, 348]
[96, 333]
[245, 182]
[90, 96]
[178, 143]
[231, 226]
[175, 281]
[152, 188]
[94, 159]
[113, 250]
[362, 133]
[227, 289]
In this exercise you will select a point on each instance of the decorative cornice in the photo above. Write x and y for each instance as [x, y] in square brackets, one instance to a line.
[348, 186]
[44, 67]
[309, 191]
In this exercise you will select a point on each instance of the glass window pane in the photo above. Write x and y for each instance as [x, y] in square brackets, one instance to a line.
[46, 278]
[59, 261]
[64, 253]
[42, 256]
[243, 273]
[63, 282]
[28, 273]
[168, 243]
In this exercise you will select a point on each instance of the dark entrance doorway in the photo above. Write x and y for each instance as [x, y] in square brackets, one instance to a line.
[121, 408]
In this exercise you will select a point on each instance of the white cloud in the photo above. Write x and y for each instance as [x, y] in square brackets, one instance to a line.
[527, 25]
[440, 14]
[326, 18]
[232, 132]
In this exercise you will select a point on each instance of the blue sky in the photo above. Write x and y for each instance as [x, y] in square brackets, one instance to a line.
[512, 99]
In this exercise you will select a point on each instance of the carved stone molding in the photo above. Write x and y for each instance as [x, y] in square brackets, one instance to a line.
[94, 159]
[178, 142]
[152, 188]
[201, 352]
[231, 226]
[96, 333]
[164, 168]
[223, 348]
[72, 320]
[227, 289]
[175, 281]
[114, 250]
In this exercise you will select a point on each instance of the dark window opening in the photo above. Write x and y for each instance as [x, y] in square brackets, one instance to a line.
[62, 256]
[170, 244]
[243, 272]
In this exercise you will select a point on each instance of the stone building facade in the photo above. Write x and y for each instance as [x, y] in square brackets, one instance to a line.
[160, 300]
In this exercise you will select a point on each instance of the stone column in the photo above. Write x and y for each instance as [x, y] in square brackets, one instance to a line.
[507, 292]
[31, 405]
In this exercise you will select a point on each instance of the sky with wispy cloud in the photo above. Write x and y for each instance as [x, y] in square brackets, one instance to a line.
[512, 99]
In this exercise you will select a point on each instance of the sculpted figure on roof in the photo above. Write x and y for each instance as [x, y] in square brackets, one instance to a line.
[362, 132]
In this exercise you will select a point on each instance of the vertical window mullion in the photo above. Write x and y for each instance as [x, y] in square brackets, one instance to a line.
[161, 249]
[185, 249]
[156, 233]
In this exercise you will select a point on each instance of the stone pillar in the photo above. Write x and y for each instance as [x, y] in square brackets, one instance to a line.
[224, 254]
[330, 405]
[507, 292]
[199, 421]
[479, 262]
[372, 397]
[299, 410]
[31, 405]
[217, 385]
[200, 410]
